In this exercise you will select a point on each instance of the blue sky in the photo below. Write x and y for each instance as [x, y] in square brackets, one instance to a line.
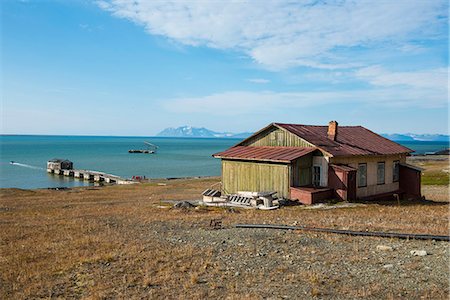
[124, 67]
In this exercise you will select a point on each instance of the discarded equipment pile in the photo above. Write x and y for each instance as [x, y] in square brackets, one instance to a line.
[260, 200]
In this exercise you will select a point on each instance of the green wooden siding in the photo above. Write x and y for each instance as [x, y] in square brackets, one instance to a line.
[301, 171]
[276, 137]
[255, 177]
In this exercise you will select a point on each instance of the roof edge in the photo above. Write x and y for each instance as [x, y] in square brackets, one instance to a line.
[253, 159]
[309, 150]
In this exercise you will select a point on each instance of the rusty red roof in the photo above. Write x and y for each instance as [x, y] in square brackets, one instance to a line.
[265, 153]
[350, 140]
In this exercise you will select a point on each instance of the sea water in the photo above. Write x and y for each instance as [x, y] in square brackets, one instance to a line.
[175, 157]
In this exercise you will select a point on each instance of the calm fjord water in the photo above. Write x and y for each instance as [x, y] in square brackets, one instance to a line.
[176, 157]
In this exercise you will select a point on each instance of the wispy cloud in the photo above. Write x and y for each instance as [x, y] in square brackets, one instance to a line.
[423, 79]
[85, 27]
[270, 102]
[284, 34]
[258, 80]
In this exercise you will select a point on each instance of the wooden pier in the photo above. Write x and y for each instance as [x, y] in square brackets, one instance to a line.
[91, 176]
[64, 168]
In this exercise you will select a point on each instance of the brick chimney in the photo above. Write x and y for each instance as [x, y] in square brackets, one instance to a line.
[332, 130]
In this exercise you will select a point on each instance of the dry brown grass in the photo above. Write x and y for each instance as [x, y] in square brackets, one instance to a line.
[116, 242]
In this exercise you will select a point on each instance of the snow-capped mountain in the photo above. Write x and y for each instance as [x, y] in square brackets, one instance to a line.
[189, 131]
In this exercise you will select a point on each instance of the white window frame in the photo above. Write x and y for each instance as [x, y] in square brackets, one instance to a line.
[359, 175]
[379, 170]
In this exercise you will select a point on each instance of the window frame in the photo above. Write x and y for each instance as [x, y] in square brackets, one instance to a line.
[381, 163]
[358, 173]
[396, 171]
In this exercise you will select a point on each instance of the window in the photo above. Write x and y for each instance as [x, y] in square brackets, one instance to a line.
[380, 173]
[396, 171]
[362, 175]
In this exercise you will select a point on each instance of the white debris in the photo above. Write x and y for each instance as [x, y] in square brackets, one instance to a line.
[384, 248]
[333, 206]
[418, 253]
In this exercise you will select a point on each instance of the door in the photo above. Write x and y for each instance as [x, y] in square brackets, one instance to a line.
[316, 176]
[351, 185]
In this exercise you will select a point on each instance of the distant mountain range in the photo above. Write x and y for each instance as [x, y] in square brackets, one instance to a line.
[405, 137]
[188, 131]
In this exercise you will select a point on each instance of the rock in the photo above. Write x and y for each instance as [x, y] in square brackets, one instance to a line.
[384, 248]
[183, 204]
[418, 253]
[389, 266]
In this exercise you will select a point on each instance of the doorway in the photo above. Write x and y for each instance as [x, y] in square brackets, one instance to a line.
[316, 176]
[351, 185]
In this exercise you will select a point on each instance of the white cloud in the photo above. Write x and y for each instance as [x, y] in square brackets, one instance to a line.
[269, 102]
[283, 34]
[423, 79]
[258, 80]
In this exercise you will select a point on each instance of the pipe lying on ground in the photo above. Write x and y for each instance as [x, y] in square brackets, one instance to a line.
[351, 232]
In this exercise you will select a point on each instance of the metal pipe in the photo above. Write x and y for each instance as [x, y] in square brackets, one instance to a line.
[351, 232]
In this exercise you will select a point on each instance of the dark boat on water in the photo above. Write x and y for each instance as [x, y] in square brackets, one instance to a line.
[142, 151]
[151, 149]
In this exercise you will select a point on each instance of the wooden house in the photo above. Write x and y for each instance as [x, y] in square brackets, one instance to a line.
[59, 164]
[315, 163]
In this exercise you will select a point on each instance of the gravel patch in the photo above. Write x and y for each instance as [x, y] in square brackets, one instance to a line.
[288, 264]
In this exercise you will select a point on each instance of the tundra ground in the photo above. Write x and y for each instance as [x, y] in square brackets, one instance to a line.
[128, 242]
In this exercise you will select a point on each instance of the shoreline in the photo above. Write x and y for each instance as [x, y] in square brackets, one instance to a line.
[97, 185]
[412, 159]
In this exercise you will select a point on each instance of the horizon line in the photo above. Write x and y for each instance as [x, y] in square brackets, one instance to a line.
[153, 136]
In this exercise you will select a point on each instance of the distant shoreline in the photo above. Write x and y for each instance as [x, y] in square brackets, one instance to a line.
[178, 137]
[118, 136]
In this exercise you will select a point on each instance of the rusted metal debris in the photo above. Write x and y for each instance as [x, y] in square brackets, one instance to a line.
[411, 236]
[215, 224]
